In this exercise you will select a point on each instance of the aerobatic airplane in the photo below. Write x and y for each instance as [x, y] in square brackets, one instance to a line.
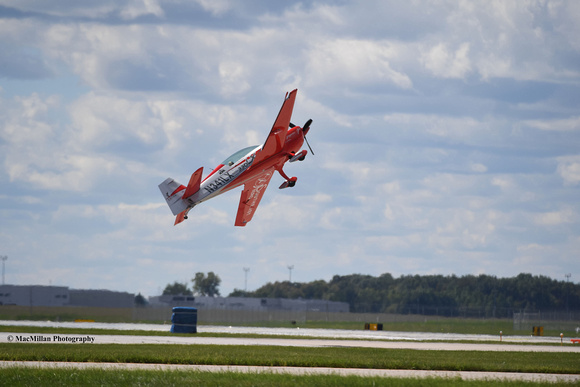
[251, 167]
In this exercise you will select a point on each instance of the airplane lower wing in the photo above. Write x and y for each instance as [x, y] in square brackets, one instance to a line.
[251, 195]
[277, 137]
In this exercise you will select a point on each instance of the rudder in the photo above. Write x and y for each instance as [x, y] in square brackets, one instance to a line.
[173, 192]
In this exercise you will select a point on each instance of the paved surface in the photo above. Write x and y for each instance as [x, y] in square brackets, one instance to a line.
[359, 334]
[308, 371]
[46, 338]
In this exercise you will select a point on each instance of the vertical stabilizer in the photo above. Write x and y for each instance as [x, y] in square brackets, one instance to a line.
[173, 192]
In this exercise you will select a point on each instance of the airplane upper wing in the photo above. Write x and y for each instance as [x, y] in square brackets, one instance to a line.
[277, 137]
[251, 195]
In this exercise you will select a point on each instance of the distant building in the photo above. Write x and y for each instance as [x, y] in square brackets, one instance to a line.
[101, 298]
[248, 303]
[38, 295]
[34, 295]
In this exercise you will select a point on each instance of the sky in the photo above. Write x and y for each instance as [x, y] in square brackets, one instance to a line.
[446, 137]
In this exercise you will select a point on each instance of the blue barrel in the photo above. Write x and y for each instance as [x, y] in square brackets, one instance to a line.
[184, 320]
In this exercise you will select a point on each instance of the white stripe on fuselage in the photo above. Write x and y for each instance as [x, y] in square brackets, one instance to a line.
[213, 185]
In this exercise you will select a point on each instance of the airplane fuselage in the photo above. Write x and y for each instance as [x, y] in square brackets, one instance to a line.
[233, 173]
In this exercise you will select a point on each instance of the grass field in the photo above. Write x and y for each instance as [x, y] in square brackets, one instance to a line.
[565, 363]
[50, 377]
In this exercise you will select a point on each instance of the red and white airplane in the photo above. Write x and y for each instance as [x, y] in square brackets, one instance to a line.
[251, 167]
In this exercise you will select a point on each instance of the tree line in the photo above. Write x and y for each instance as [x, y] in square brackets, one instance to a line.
[432, 294]
[202, 284]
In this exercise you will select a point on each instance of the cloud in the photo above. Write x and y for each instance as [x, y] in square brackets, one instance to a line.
[354, 62]
[554, 218]
[569, 169]
[442, 63]
[445, 136]
[137, 8]
[560, 125]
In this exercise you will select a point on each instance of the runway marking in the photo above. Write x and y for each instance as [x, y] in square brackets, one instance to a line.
[464, 375]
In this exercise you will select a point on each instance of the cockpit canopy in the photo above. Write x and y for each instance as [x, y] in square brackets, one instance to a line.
[238, 155]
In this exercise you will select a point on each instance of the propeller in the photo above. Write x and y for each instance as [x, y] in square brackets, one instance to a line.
[305, 130]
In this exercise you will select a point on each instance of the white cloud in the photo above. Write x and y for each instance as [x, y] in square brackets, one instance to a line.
[216, 7]
[555, 218]
[445, 64]
[477, 167]
[569, 169]
[354, 62]
[137, 8]
[559, 125]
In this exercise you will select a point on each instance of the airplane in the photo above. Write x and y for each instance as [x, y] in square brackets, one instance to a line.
[252, 167]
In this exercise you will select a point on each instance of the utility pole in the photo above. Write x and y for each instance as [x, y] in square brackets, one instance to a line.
[246, 270]
[4, 258]
[290, 267]
[567, 275]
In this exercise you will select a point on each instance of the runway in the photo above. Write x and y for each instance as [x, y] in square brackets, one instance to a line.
[300, 332]
[282, 342]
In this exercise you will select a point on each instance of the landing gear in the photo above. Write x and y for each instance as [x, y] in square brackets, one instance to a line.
[289, 183]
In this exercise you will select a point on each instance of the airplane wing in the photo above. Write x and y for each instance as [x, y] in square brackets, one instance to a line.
[277, 137]
[251, 195]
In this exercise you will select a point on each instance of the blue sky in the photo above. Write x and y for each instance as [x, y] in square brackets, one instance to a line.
[446, 133]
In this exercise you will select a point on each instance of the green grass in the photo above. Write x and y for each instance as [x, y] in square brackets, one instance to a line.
[335, 357]
[71, 377]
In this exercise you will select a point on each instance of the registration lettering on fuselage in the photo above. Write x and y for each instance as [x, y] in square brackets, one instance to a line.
[225, 177]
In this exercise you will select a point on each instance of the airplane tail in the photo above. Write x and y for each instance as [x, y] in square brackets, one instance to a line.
[173, 193]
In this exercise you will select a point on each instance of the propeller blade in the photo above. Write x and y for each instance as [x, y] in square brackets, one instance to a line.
[305, 130]
[306, 126]
[311, 151]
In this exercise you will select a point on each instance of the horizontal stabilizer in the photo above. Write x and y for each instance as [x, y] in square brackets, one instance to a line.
[194, 183]
[180, 217]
